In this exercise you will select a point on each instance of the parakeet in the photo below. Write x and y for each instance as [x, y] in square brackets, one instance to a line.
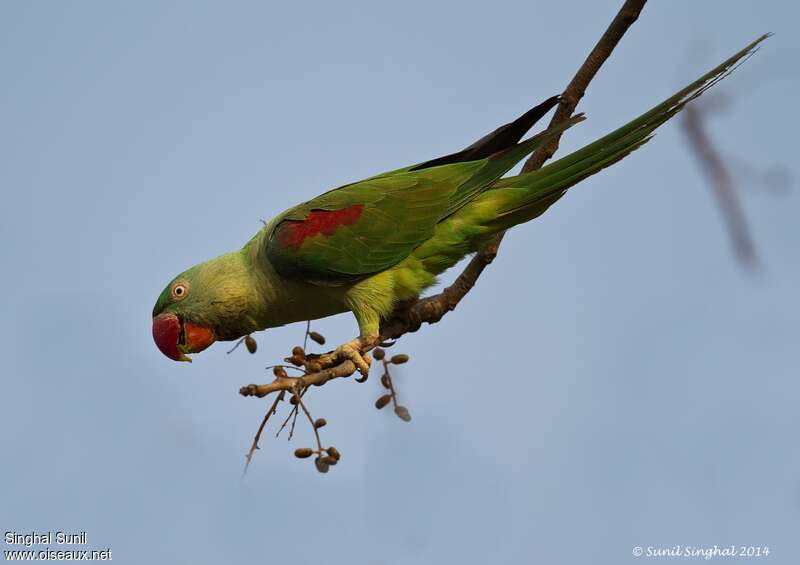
[365, 246]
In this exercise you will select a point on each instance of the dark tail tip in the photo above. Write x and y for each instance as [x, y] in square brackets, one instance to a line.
[504, 137]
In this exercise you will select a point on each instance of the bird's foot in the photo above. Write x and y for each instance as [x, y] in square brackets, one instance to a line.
[356, 351]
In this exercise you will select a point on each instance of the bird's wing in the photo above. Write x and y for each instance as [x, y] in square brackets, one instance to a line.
[366, 227]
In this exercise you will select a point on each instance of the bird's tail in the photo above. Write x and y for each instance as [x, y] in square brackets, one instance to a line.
[523, 197]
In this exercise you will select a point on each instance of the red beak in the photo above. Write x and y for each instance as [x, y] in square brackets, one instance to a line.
[175, 338]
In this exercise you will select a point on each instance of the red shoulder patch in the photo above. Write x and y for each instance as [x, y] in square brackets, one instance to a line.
[292, 233]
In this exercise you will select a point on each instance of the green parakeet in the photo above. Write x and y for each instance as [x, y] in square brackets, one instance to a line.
[365, 246]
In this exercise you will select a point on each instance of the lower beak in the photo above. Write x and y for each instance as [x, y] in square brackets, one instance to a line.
[196, 338]
[175, 338]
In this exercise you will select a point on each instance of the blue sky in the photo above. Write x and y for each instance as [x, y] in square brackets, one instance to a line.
[616, 379]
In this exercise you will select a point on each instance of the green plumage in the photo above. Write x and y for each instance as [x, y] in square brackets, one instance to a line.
[364, 246]
[400, 211]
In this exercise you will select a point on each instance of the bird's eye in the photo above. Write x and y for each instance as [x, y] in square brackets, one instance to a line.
[179, 291]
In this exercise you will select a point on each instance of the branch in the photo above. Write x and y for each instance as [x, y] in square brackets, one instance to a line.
[624, 19]
[331, 367]
[433, 308]
[409, 316]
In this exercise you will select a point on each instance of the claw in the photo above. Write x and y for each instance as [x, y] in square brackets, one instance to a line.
[352, 350]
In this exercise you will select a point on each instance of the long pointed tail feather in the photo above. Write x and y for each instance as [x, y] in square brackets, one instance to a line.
[530, 194]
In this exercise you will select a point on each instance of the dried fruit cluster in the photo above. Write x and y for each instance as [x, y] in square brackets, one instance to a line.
[386, 380]
[306, 363]
[322, 462]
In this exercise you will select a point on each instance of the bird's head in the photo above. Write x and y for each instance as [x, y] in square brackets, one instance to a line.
[206, 303]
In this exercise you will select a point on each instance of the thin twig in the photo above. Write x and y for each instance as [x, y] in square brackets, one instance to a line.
[236, 345]
[257, 438]
[293, 412]
[294, 423]
[281, 366]
[292, 415]
[308, 331]
[311, 421]
[392, 391]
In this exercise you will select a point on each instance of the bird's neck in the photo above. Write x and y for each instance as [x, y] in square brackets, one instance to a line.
[282, 301]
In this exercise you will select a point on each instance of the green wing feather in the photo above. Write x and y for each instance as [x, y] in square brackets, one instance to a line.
[399, 210]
